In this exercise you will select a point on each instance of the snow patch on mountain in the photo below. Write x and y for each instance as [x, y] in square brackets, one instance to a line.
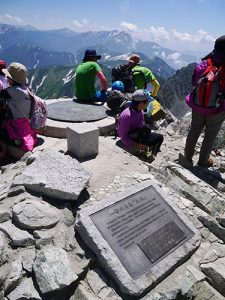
[69, 76]
[120, 57]
[38, 86]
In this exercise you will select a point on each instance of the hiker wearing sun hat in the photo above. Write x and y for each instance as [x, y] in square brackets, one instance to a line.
[86, 74]
[15, 128]
[134, 135]
[17, 73]
[3, 81]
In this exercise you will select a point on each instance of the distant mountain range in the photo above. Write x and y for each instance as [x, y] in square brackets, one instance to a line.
[53, 47]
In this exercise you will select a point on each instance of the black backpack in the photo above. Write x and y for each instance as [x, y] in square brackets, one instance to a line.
[124, 73]
[116, 99]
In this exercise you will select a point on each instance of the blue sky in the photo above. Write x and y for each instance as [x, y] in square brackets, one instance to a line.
[184, 25]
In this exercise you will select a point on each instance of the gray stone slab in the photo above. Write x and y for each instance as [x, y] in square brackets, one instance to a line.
[139, 236]
[55, 175]
[71, 111]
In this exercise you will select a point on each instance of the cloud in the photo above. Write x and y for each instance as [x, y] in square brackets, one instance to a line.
[9, 18]
[77, 23]
[182, 41]
[157, 33]
[85, 21]
[199, 37]
[128, 26]
[182, 36]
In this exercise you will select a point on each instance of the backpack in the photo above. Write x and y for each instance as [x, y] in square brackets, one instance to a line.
[209, 91]
[116, 99]
[126, 103]
[38, 111]
[124, 73]
[154, 112]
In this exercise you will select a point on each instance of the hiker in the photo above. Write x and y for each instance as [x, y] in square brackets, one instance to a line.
[3, 81]
[15, 127]
[85, 78]
[208, 107]
[142, 75]
[134, 134]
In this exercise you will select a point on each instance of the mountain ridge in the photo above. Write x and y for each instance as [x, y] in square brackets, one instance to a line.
[69, 41]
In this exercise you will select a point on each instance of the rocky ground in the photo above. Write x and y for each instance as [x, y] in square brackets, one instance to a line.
[41, 255]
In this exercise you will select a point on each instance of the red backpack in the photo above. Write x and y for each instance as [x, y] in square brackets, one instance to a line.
[209, 90]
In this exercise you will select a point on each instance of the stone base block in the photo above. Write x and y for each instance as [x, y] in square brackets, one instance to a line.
[83, 139]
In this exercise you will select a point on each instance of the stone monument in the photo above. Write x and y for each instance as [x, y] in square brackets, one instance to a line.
[139, 236]
[72, 111]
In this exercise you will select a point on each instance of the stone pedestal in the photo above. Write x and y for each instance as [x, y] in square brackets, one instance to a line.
[83, 139]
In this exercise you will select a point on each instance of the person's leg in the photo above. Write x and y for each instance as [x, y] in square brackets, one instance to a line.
[156, 142]
[197, 124]
[153, 140]
[213, 125]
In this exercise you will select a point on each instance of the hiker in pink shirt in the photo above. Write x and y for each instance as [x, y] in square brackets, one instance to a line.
[15, 128]
[206, 117]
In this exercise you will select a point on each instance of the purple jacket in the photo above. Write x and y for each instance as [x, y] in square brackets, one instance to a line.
[198, 71]
[129, 120]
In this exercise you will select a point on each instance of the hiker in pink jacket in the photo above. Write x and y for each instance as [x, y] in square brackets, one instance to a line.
[206, 115]
[15, 128]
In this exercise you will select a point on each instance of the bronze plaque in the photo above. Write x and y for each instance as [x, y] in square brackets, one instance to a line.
[141, 229]
[162, 241]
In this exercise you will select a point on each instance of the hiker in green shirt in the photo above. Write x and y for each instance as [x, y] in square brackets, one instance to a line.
[85, 77]
[143, 75]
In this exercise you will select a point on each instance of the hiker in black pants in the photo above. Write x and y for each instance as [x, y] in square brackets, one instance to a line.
[135, 136]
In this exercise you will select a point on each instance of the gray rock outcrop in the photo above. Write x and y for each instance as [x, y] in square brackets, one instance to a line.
[54, 175]
[52, 269]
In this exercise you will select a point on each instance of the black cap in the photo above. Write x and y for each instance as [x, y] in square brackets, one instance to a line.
[220, 45]
[91, 53]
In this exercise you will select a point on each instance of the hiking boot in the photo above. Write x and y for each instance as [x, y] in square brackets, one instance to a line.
[150, 158]
[185, 162]
[147, 156]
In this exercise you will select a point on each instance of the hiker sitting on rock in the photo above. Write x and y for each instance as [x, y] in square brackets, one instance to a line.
[135, 136]
[15, 126]
[86, 74]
